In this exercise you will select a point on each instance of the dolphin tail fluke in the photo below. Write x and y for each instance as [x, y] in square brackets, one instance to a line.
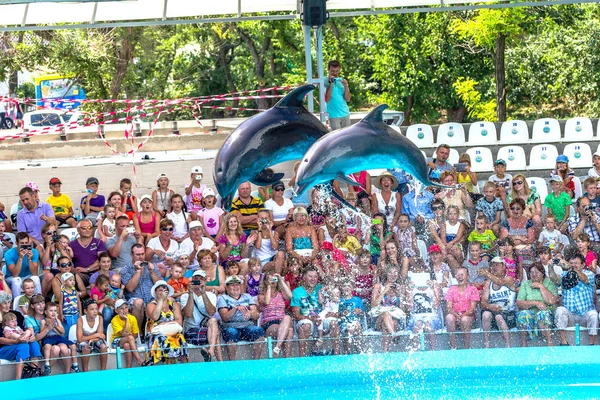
[347, 180]
[340, 198]
[295, 98]
[266, 178]
[376, 114]
[437, 184]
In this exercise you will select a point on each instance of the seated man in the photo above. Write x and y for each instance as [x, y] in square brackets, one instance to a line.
[577, 299]
[305, 308]
[34, 214]
[138, 277]
[498, 301]
[199, 326]
[239, 314]
[195, 242]
[119, 246]
[246, 207]
[461, 303]
[22, 261]
[86, 249]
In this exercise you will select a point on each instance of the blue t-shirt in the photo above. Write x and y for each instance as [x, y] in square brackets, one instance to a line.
[309, 304]
[31, 322]
[12, 256]
[347, 307]
[488, 209]
[337, 106]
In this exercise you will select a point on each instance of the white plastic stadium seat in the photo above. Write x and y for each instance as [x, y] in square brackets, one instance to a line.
[451, 133]
[543, 156]
[73, 333]
[578, 187]
[540, 186]
[514, 132]
[578, 129]
[482, 133]
[15, 305]
[71, 233]
[580, 155]
[481, 159]
[288, 193]
[421, 135]
[546, 130]
[514, 157]
[452, 158]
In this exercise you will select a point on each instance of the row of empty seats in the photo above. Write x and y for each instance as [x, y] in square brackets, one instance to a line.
[542, 156]
[545, 130]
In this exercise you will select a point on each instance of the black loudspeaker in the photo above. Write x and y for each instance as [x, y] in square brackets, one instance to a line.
[314, 12]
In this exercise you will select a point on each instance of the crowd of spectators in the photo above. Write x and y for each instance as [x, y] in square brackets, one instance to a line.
[171, 269]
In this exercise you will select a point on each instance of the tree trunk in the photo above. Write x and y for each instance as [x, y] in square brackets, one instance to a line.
[124, 56]
[13, 82]
[500, 78]
[259, 57]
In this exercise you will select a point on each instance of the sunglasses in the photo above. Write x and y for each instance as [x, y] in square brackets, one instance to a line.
[86, 228]
[387, 210]
[516, 208]
[280, 189]
[50, 233]
[167, 229]
[515, 183]
[437, 208]
[65, 265]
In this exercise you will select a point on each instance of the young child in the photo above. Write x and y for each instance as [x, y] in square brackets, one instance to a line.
[567, 174]
[558, 202]
[195, 191]
[548, 262]
[254, 277]
[551, 237]
[11, 330]
[90, 335]
[180, 218]
[501, 179]
[329, 298]
[231, 268]
[353, 218]
[351, 311]
[594, 172]
[440, 269]
[483, 235]
[490, 207]
[6, 242]
[125, 332]
[178, 281]
[28, 287]
[70, 304]
[61, 204]
[54, 337]
[591, 192]
[108, 221]
[474, 264]
[93, 202]
[363, 278]
[116, 286]
[406, 236]
[128, 200]
[211, 216]
[99, 292]
[161, 196]
[468, 177]
[514, 266]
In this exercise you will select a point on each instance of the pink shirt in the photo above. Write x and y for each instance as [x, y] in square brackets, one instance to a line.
[194, 200]
[461, 302]
[210, 219]
[98, 293]
[275, 311]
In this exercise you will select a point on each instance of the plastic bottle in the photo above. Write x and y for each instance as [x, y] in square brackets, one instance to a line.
[77, 214]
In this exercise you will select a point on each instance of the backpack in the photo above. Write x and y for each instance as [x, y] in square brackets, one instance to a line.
[30, 370]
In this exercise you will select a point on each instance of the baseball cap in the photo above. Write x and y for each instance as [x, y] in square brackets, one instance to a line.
[33, 186]
[555, 178]
[234, 279]
[54, 181]
[434, 248]
[208, 192]
[278, 184]
[119, 303]
[195, 224]
[500, 161]
[597, 153]
[145, 197]
[562, 158]
[201, 273]
[498, 260]
[91, 180]
[64, 277]
[161, 175]
[197, 170]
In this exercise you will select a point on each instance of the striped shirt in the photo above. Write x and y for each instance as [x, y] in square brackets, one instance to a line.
[275, 310]
[251, 208]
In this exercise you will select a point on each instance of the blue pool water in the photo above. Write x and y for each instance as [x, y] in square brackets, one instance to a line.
[521, 373]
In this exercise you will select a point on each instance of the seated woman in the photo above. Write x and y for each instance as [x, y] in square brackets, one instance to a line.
[276, 324]
[279, 208]
[233, 243]
[386, 305]
[147, 221]
[215, 274]
[455, 197]
[520, 229]
[267, 244]
[537, 300]
[65, 265]
[301, 238]
[533, 203]
[161, 250]
[164, 326]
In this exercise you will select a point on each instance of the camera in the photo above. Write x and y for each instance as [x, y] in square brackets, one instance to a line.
[327, 257]
[587, 210]
[274, 279]
[198, 177]
[26, 246]
[55, 237]
[264, 220]
[196, 283]
[144, 264]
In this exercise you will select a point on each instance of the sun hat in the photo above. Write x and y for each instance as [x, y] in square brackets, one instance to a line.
[161, 175]
[278, 184]
[386, 174]
[234, 279]
[194, 225]
[33, 186]
[562, 158]
[159, 284]
[91, 180]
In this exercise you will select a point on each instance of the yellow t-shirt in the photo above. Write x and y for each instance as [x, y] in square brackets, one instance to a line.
[60, 204]
[351, 244]
[118, 324]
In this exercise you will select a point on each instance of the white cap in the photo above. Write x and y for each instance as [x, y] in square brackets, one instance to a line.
[195, 224]
[161, 175]
[119, 303]
[145, 197]
[197, 170]
[201, 273]
[498, 260]
[64, 277]
[555, 178]
[208, 192]
[234, 279]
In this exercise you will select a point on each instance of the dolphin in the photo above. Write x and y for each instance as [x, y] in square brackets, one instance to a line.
[368, 144]
[282, 133]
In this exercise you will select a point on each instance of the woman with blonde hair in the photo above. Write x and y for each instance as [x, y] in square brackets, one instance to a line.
[271, 300]
[233, 243]
[533, 203]
[301, 239]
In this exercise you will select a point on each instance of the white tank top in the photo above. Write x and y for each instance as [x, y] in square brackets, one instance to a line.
[265, 252]
[86, 328]
[388, 209]
[503, 297]
[327, 237]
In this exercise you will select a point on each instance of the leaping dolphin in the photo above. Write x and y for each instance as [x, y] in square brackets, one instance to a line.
[282, 133]
[368, 144]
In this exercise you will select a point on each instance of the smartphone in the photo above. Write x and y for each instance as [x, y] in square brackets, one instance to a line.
[461, 167]
[377, 221]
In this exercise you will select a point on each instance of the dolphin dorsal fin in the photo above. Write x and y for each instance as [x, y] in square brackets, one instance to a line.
[295, 98]
[376, 114]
